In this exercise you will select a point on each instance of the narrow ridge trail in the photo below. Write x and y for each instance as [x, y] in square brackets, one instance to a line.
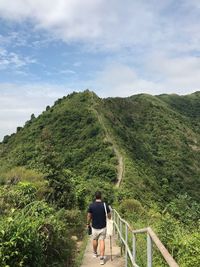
[118, 261]
[108, 137]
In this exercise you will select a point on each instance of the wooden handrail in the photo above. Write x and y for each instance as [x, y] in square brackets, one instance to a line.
[150, 236]
[166, 255]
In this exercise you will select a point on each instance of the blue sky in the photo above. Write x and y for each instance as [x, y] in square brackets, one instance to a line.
[115, 48]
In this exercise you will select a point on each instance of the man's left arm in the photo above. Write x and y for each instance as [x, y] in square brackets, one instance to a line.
[109, 212]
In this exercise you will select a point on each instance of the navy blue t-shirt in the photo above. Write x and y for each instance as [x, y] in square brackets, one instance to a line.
[98, 214]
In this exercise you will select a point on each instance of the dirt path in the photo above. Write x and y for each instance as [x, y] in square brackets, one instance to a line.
[89, 261]
[108, 137]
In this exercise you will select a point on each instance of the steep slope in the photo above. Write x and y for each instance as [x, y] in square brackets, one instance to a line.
[161, 145]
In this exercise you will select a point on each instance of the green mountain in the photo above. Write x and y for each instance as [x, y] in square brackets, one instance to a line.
[73, 132]
[159, 135]
[142, 151]
[162, 141]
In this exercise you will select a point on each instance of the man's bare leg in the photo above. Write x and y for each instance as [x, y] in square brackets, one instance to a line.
[95, 245]
[102, 247]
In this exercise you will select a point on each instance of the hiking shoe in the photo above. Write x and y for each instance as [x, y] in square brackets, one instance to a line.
[102, 262]
[95, 255]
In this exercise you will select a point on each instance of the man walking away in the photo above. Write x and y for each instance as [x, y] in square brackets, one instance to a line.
[96, 214]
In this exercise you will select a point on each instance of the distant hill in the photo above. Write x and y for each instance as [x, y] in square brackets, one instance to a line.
[158, 136]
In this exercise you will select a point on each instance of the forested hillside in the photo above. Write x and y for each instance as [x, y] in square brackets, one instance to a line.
[50, 169]
[162, 142]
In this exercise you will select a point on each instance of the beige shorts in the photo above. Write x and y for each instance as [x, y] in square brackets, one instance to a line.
[99, 234]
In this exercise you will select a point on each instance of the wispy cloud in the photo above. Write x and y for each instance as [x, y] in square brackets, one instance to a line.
[13, 60]
[67, 71]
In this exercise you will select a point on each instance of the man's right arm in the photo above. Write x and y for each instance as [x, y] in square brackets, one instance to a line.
[89, 215]
[89, 218]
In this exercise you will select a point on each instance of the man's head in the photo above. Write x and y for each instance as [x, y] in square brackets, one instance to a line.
[98, 195]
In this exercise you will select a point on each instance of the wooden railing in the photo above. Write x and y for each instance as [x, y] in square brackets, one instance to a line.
[123, 230]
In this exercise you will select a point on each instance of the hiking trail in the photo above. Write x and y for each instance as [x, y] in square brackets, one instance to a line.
[110, 139]
[89, 261]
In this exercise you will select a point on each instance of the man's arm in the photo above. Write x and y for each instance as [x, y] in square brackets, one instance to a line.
[89, 218]
[108, 211]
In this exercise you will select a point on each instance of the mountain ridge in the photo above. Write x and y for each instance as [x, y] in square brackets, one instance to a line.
[137, 120]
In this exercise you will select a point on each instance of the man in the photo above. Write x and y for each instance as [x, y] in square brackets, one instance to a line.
[97, 214]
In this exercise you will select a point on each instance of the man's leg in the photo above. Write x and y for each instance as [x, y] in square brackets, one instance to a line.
[95, 236]
[95, 245]
[102, 247]
[102, 237]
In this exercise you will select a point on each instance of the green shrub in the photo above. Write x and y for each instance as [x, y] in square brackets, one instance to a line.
[35, 236]
[184, 209]
[61, 192]
[17, 196]
[103, 171]
[74, 220]
[189, 250]
[22, 174]
[132, 210]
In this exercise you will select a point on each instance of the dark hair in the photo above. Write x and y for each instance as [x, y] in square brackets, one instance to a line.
[98, 195]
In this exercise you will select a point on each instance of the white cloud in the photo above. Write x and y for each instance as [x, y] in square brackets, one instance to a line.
[165, 75]
[122, 80]
[67, 71]
[112, 24]
[101, 23]
[193, 3]
[148, 25]
[18, 102]
[69, 19]
[14, 38]
[13, 60]
[179, 74]
[77, 64]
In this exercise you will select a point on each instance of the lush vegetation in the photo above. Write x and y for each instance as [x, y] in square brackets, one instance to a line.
[161, 146]
[50, 168]
[159, 138]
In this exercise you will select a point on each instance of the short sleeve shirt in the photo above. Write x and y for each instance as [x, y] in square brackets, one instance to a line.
[97, 211]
